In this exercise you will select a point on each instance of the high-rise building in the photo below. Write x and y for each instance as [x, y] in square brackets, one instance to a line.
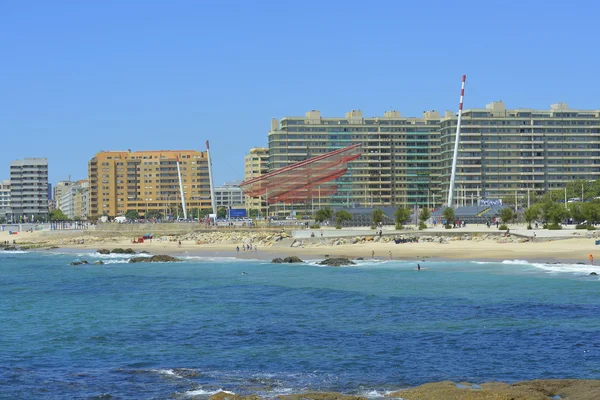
[74, 199]
[59, 189]
[505, 153]
[4, 198]
[256, 163]
[143, 181]
[29, 189]
[407, 161]
[399, 155]
[229, 194]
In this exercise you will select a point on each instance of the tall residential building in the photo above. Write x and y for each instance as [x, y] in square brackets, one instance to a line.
[399, 162]
[229, 194]
[29, 189]
[74, 200]
[147, 180]
[256, 163]
[4, 198]
[509, 152]
[59, 189]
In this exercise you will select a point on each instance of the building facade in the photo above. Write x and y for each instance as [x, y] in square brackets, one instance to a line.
[74, 200]
[144, 181]
[29, 189]
[506, 153]
[229, 194]
[4, 198]
[399, 158]
[407, 161]
[58, 190]
[256, 163]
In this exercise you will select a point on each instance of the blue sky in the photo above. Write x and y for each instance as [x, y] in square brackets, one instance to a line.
[80, 77]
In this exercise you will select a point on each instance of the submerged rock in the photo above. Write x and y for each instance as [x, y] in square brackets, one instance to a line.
[337, 262]
[99, 262]
[157, 258]
[82, 262]
[103, 251]
[593, 273]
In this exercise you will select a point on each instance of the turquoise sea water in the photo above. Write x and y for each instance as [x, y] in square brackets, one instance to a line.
[158, 331]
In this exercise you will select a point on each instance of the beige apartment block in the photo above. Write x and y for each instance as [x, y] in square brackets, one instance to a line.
[256, 163]
[399, 158]
[506, 153]
[147, 180]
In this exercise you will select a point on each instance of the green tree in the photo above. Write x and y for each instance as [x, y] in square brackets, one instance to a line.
[377, 216]
[58, 215]
[576, 211]
[423, 217]
[222, 212]
[2, 220]
[591, 212]
[341, 216]
[506, 215]
[532, 214]
[132, 214]
[253, 213]
[554, 212]
[402, 215]
[323, 214]
[448, 215]
[151, 214]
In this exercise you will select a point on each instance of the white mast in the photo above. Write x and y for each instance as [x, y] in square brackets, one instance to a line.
[181, 189]
[210, 179]
[455, 156]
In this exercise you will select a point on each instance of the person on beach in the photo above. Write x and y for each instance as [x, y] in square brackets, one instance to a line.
[390, 254]
[372, 253]
[591, 259]
[179, 244]
[237, 248]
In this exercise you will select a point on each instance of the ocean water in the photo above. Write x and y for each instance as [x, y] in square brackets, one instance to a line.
[178, 330]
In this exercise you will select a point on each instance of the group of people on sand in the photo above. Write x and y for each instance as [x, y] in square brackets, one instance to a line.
[248, 247]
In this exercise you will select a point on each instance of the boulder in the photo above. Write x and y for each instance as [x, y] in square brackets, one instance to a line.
[593, 273]
[123, 251]
[292, 259]
[82, 262]
[103, 251]
[99, 262]
[369, 238]
[157, 258]
[277, 260]
[337, 262]
[296, 243]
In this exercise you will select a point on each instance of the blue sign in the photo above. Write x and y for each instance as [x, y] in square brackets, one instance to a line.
[235, 213]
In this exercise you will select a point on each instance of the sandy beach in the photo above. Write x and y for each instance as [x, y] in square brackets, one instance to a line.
[494, 248]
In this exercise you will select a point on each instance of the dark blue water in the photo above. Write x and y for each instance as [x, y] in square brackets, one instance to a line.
[154, 331]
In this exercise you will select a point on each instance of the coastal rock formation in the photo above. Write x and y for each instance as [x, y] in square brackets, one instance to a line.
[593, 273]
[543, 389]
[320, 396]
[103, 251]
[82, 262]
[123, 251]
[157, 258]
[336, 262]
[99, 262]
[231, 396]
[289, 260]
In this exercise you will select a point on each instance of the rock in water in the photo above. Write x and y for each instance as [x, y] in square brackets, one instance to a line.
[292, 259]
[123, 251]
[593, 273]
[337, 262]
[157, 258]
[99, 262]
[103, 251]
[277, 260]
[82, 262]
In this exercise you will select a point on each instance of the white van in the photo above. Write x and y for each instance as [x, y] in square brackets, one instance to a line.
[121, 219]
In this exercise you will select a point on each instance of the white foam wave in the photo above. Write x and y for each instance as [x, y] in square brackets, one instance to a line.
[112, 255]
[217, 259]
[122, 261]
[202, 392]
[578, 269]
[14, 252]
[167, 372]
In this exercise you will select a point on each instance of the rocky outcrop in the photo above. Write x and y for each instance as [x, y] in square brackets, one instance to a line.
[99, 262]
[593, 273]
[337, 262]
[157, 258]
[123, 251]
[103, 251]
[288, 260]
[82, 262]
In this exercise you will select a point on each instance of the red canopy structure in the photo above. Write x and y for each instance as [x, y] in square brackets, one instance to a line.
[303, 180]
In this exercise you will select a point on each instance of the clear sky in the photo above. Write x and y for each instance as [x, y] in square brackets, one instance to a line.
[77, 77]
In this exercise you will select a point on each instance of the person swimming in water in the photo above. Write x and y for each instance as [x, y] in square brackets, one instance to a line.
[418, 267]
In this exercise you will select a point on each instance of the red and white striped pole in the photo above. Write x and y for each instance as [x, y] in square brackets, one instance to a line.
[455, 155]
